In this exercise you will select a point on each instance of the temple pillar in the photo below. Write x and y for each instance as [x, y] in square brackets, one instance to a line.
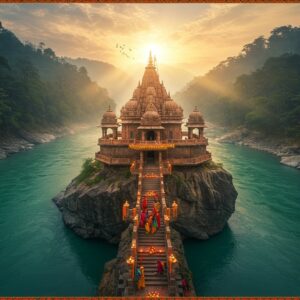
[141, 158]
[143, 135]
[157, 133]
[201, 132]
[190, 133]
[115, 133]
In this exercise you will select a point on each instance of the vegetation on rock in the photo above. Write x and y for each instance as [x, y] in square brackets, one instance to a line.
[89, 170]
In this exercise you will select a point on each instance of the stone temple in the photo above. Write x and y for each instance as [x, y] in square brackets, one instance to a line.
[151, 129]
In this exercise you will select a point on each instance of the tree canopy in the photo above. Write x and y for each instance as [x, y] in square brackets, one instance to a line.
[258, 88]
[37, 88]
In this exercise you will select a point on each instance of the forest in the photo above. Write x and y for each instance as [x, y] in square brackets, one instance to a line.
[39, 89]
[259, 89]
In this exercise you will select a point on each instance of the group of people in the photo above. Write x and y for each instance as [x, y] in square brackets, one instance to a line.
[150, 220]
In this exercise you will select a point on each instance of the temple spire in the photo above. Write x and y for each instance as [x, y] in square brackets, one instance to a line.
[150, 62]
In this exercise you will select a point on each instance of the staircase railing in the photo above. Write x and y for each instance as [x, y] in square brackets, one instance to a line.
[135, 215]
[171, 260]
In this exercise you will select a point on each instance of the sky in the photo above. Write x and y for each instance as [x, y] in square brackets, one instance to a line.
[194, 37]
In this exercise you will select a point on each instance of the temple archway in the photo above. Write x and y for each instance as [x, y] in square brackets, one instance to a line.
[150, 136]
[150, 157]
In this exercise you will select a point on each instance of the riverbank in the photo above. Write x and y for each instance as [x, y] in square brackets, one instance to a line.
[287, 150]
[26, 140]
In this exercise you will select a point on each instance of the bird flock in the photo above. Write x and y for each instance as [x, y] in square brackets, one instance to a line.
[125, 50]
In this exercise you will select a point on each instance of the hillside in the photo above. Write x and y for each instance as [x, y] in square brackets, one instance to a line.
[267, 100]
[38, 89]
[216, 93]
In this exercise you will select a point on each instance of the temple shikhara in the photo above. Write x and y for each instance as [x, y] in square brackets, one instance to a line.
[151, 125]
[151, 140]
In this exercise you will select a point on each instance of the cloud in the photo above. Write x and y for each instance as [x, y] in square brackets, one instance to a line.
[224, 29]
[197, 36]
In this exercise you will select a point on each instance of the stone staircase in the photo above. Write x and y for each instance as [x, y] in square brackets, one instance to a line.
[153, 280]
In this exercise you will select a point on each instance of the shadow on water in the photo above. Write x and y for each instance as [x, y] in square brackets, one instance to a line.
[209, 259]
[91, 255]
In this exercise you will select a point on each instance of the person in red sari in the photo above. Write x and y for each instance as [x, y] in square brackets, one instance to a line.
[143, 219]
[144, 203]
[158, 220]
[160, 267]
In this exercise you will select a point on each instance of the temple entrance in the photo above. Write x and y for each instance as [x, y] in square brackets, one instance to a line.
[150, 136]
[151, 157]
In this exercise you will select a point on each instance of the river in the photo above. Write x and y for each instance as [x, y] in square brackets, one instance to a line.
[258, 253]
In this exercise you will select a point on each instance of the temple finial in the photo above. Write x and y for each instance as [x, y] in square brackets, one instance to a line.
[150, 63]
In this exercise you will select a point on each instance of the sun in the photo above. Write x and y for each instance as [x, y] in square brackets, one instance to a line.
[157, 50]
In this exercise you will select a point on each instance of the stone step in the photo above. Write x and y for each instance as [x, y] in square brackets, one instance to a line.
[151, 242]
[151, 239]
[156, 278]
[143, 238]
[147, 264]
[153, 259]
[156, 283]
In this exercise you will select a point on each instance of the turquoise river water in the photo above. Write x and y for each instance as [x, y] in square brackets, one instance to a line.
[257, 254]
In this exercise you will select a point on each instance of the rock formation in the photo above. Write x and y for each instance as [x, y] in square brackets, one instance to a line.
[94, 211]
[205, 194]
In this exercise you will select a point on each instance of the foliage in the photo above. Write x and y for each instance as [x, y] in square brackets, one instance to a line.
[266, 99]
[38, 89]
[88, 172]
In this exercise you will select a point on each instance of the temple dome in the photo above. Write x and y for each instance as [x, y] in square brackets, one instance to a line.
[172, 108]
[171, 105]
[196, 117]
[131, 105]
[151, 117]
[109, 118]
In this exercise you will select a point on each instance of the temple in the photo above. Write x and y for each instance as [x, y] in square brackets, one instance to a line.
[152, 129]
[151, 141]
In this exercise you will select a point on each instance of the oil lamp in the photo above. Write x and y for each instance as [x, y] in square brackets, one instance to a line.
[125, 210]
[172, 260]
[174, 209]
[130, 262]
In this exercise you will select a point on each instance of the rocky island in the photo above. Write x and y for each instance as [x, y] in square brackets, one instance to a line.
[149, 186]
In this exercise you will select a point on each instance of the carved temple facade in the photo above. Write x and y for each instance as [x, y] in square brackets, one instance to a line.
[150, 129]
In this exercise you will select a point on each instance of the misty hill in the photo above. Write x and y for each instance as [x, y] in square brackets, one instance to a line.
[206, 91]
[39, 89]
[121, 84]
[267, 100]
[105, 74]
